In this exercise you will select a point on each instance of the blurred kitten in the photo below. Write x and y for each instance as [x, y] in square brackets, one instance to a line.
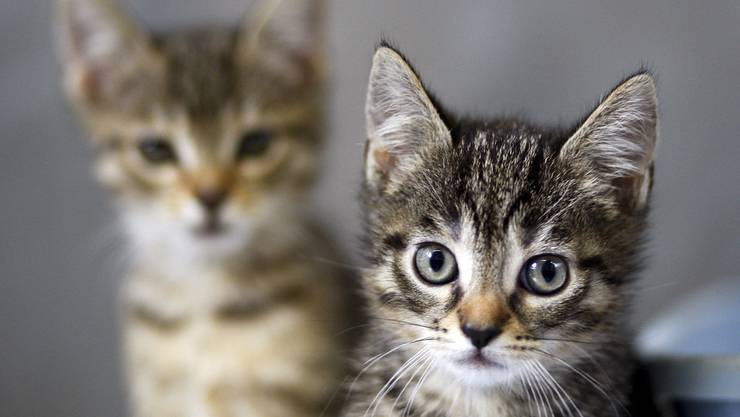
[208, 140]
[502, 255]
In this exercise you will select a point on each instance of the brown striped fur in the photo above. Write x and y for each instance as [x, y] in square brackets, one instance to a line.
[497, 193]
[232, 311]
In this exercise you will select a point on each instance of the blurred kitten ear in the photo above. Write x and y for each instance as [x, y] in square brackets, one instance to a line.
[615, 146]
[402, 122]
[107, 60]
[285, 36]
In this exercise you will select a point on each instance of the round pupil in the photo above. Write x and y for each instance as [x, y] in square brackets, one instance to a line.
[436, 260]
[549, 271]
[254, 143]
[157, 150]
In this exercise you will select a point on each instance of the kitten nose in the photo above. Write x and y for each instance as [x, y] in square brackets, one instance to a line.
[480, 337]
[211, 198]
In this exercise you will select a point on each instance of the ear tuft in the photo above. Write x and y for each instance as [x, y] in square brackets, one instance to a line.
[286, 36]
[402, 121]
[617, 141]
[107, 60]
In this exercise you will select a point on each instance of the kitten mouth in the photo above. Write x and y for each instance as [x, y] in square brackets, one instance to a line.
[480, 360]
[211, 227]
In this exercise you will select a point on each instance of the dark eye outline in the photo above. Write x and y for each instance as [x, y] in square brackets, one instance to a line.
[453, 275]
[157, 150]
[524, 279]
[260, 140]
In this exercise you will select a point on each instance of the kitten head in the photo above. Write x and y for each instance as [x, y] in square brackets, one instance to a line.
[503, 242]
[202, 135]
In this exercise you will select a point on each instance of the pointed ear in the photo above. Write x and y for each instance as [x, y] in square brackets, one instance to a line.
[285, 36]
[402, 121]
[107, 60]
[615, 146]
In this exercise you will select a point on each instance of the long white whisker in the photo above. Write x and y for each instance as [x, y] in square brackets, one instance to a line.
[467, 396]
[556, 397]
[540, 388]
[562, 390]
[402, 345]
[591, 358]
[421, 364]
[375, 359]
[545, 387]
[535, 393]
[453, 403]
[527, 388]
[589, 379]
[393, 380]
[547, 378]
[423, 378]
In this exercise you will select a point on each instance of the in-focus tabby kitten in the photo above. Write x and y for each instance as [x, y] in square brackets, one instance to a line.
[208, 139]
[501, 254]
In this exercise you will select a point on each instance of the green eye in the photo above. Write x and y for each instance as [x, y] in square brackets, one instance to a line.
[157, 150]
[254, 143]
[544, 274]
[435, 264]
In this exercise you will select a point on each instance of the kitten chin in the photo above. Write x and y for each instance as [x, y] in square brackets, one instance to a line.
[478, 373]
[178, 246]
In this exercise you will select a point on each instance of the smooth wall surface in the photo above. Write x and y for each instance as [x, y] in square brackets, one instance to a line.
[548, 59]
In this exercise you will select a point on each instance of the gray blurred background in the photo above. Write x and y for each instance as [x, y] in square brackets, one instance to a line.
[549, 59]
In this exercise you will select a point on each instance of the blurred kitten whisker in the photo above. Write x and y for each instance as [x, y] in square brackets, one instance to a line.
[333, 396]
[656, 286]
[350, 267]
[108, 244]
[351, 328]
[409, 323]
[556, 339]
[395, 321]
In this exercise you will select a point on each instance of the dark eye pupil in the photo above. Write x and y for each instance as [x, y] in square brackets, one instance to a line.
[436, 260]
[254, 143]
[157, 150]
[548, 271]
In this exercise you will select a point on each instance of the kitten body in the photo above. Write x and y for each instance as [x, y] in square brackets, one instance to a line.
[501, 255]
[208, 140]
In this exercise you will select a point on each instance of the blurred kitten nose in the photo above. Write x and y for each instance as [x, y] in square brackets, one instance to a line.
[211, 198]
[480, 337]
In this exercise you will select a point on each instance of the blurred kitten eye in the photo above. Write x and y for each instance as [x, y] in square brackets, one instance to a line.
[157, 150]
[544, 274]
[435, 264]
[254, 143]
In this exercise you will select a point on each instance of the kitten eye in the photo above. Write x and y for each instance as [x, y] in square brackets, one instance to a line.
[544, 274]
[157, 150]
[254, 143]
[435, 264]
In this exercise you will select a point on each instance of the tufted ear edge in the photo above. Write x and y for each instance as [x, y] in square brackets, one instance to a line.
[401, 119]
[108, 61]
[616, 143]
[285, 36]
